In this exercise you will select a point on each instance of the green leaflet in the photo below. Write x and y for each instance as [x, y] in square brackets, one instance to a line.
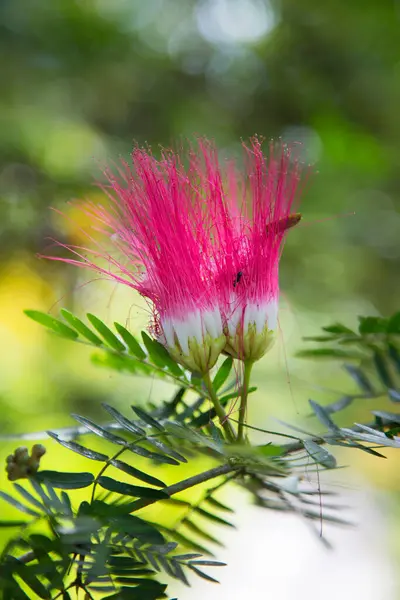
[52, 323]
[222, 373]
[127, 489]
[133, 345]
[81, 327]
[65, 481]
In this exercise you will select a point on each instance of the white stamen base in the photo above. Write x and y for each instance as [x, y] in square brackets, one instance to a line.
[261, 314]
[196, 325]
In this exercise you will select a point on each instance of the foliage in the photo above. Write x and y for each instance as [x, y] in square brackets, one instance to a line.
[100, 545]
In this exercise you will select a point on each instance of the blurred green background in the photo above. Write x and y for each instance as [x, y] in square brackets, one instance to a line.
[82, 79]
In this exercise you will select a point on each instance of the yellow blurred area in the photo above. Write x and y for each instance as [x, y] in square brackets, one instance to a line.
[76, 224]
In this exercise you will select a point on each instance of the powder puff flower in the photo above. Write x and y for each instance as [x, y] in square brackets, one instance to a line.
[202, 243]
[251, 215]
[158, 225]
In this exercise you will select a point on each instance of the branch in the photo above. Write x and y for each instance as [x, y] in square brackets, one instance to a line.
[296, 446]
[186, 484]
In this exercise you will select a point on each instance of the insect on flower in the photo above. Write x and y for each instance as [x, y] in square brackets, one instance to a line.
[238, 277]
[272, 229]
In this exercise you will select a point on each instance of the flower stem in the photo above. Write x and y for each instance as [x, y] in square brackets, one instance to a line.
[219, 409]
[248, 365]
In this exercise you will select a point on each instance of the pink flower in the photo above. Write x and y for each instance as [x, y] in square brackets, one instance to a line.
[158, 224]
[251, 213]
[202, 243]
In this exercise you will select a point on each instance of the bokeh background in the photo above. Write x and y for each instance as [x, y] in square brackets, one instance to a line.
[82, 79]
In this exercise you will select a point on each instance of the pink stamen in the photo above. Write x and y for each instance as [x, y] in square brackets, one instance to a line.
[198, 238]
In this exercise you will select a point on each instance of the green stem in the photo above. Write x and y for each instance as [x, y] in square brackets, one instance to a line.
[185, 484]
[219, 409]
[248, 365]
[105, 467]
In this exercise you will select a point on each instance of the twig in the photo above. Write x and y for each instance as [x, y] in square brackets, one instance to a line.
[186, 484]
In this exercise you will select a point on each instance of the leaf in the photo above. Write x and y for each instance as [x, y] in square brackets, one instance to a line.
[146, 418]
[372, 436]
[370, 325]
[394, 356]
[353, 444]
[383, 414]
[187, 542]
[65, 481]
[340, 404]
[123, 562]
[100, 431]
[149, 557]
[81, 327]
[224, 399]
[127, 489]
[360, 378]
[201, 574]
[52, 323]
[41, 493]
[138, 528]
[162, 548]
[92, 454]
[200, 532]
[186, 556]
[178, 572]
[106, 333]
[328, 353]
[152, 455]
[190, 410]
[217, 504]
[28, 496]
[13, 590]
[208, 563]
[394, 395]
[42, 542]
[12, 523]
[319, 338]
[120, 363]
[222, 373]
[320, 455]
[130, 579]
[28, 576]
[151, 591]
[67, 503]
[324, 417]
[203, 419]
[132, 343]
[216, 434]
[160, 355]
[338, 328]
[169, 408]
[126, 423]
[212, 517]
[154, 351]
[119, 464]
[394, 324]
[56, 504]
[269, 450]
[382, 369]
[14, 502]
[166, 449]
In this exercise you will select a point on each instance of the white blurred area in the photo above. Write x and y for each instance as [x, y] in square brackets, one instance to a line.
[276, 557]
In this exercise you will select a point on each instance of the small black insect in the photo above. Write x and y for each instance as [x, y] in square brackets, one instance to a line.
[238, 277]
